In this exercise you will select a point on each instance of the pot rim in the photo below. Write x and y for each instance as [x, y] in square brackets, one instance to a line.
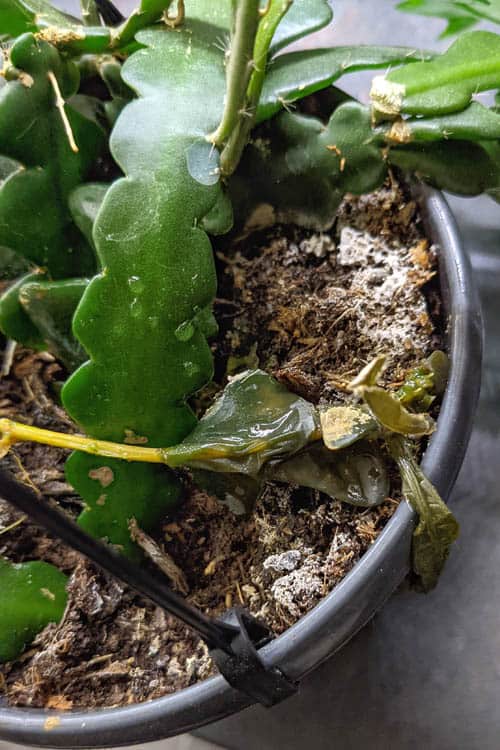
[338, 616]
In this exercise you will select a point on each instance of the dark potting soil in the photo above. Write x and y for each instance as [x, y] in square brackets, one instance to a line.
[310, 308]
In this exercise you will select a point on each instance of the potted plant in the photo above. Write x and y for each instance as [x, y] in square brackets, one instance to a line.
[115, 175]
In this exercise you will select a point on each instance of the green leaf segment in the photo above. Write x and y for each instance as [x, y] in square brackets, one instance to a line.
[303, 168]
[145, 319]
[19, 16]
[294, 75]
[460, 15]
[445, 84]
[447, 138]
[33, 594]
[142, 320]
[436, 528]
[47, 148]
[44, 165]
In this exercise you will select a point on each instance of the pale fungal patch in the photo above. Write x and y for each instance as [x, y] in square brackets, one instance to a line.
[132, 439]
[387, 96]
[104, 475]
[284, 562]
[320, 245]
[386, 283]
[101, 500]
[340, 421]
[299, 590]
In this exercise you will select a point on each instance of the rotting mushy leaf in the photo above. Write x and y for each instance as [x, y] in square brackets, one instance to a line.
[254, 420]
[437, 528]
[344, 425]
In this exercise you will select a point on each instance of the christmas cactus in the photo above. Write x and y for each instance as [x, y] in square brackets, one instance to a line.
[125, 146]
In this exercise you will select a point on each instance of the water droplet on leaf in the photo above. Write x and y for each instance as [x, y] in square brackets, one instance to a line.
[136, 284]
[191, 368]
[185, 331]
[135, 308]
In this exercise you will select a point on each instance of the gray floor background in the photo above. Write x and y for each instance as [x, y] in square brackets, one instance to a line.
[425, 673]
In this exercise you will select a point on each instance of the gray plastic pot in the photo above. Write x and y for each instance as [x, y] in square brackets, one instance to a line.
[354, 601]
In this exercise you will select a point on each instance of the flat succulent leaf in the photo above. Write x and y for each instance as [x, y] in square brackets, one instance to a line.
[424, 382]
[220, 218]
[38, 313]
[344, 425]
[447, 83]
[459, 15]
[89, 107]
[158, 285]
[344, 151]
[303, 168]
[439, 364]
[61, 29]
[436, 529]
[391, 414]
[385, 406]
[294, 75]
[475, 123]
[369, 375]
[12, 265]
[108, 68]
[356, 475]
[19, 16]
[303, 18]
[15, 323]
[218, 14]
[147, 13]
[460, 167]
[15, 19]
[417, 389]
[34, 218]
[8, 167]
[33, 595]
[51, 305]
[255, 420]
[84, 203]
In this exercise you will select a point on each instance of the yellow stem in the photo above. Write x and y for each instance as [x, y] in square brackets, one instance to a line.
[15, 432]
[64, 117]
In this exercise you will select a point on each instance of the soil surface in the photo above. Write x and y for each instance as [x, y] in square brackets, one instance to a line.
[310, 308]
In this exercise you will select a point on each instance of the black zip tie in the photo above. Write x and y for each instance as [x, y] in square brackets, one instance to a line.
[109, 12]
[233, 640]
